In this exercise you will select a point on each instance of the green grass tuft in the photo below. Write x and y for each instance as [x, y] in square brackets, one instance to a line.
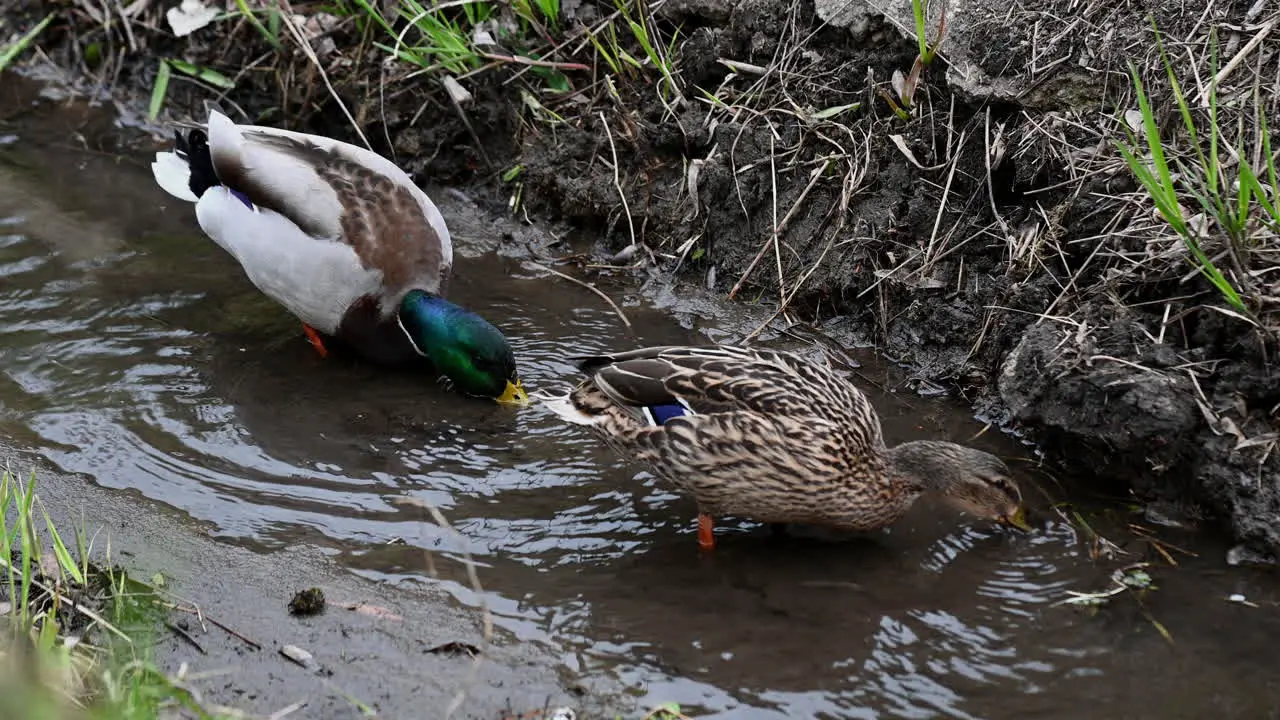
[1235, 202]
[10, 52]
[74, 636]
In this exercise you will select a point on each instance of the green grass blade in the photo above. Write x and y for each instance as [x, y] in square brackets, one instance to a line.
[160, 89]
[10, 52]
[1153, 136]
[918, 10]
[1179, 97]
[65, 560]
[1165, 202]
[371, 11]
[1259, 194]
[602, 52]
[213, 77]
[642, 36]
[83, 548]
[1269, 196]
[1212, 168]
[30, 549]
[7, 496]
[1245, 182]
[550, 10]
[8, 535]
[271, 37]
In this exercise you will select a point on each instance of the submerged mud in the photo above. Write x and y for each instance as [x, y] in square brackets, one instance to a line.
[986, 242]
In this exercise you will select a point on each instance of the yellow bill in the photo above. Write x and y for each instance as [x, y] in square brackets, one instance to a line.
[1018, 519]
[514, 394]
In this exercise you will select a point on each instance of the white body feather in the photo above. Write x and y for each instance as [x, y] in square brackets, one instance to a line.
[315, 276]
[564, 409]
[174, 176]
[316, 280]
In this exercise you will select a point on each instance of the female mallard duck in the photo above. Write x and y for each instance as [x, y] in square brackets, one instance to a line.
[344, 240]
[771, 436]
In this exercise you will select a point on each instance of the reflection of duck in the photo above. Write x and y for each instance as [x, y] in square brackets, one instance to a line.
[773, 437]
[344, 240]
[809, 627]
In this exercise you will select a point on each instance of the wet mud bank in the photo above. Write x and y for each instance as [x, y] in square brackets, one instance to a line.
[993, 239]
[404, 651]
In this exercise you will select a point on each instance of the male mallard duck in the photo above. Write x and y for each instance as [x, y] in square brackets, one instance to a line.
[771, 436]
[344, 240]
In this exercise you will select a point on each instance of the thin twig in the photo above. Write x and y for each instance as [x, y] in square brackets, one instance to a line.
[617, 179]
[777, 251]
[779, 228]
[588, 286]
[522, 60]
[194, 610]
[185, 636]
[305, 44]
[1235, 61]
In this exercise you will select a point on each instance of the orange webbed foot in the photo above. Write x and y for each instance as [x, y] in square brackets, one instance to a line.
[706, 540]
[314, 338]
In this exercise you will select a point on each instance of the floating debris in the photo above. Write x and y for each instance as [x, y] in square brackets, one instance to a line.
[1131, 578]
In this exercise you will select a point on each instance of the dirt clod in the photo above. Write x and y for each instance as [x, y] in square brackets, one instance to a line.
[455, 648]
[307, 602]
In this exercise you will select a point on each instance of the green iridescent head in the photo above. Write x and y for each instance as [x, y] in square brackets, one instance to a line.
[463, 346]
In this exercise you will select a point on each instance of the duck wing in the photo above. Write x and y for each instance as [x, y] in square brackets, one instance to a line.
[755, 432]
[338, 192]
[738, 381]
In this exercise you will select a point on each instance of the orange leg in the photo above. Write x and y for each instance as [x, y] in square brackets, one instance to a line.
[706, 540]
[314, 338]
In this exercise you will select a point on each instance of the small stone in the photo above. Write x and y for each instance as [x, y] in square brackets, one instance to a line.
[299, 656]
[1245, 555]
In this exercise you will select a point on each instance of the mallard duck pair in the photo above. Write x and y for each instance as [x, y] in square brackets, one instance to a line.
[343, 239]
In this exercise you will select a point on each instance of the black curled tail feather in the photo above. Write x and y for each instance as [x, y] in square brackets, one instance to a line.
[195, 150]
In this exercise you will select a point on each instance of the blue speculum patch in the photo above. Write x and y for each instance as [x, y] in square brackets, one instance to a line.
[662, 413]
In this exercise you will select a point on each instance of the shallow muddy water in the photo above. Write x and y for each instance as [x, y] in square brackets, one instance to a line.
[133, 352]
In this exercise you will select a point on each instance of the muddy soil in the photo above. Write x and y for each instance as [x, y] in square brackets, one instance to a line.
[987, 242]
[390, 648]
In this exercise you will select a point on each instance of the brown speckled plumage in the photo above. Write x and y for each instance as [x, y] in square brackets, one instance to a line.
[776, 438]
